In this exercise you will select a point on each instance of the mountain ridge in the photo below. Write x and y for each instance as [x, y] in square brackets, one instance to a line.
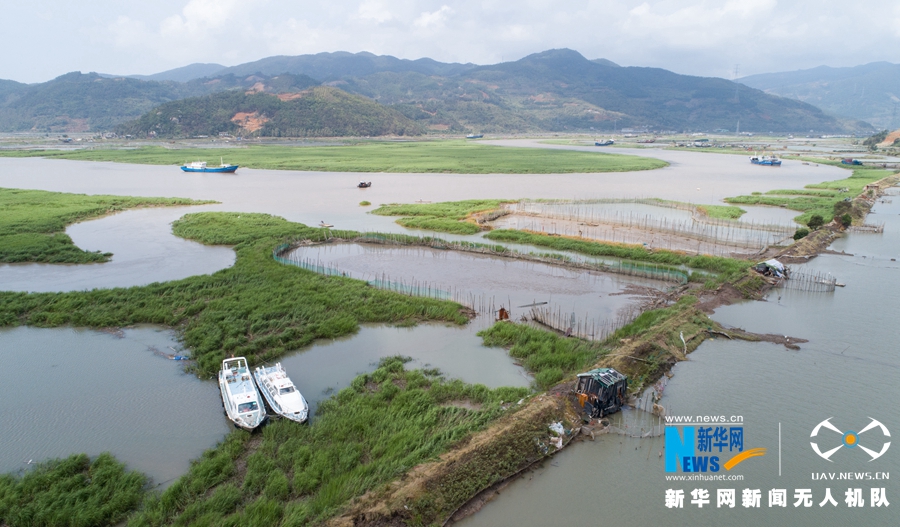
[869, 92]
[553, 90]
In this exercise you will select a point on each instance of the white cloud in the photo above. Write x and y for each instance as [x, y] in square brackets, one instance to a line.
[199, 17]
[701, 24]
[374, 10]
[700, 37]
[437, 18]
[292, 37]
[127, 32]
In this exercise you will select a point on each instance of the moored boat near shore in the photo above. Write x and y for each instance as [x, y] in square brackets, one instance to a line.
[240, 397]
[280, 393]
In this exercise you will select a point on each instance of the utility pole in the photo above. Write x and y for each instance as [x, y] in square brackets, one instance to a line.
[737, 100]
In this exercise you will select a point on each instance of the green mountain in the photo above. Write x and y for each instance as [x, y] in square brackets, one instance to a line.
[561, 90]
[321, 111]
[557, 90]
[80, 102]
[10, 88]
[870, 92]
[333, 66]
[182, 74]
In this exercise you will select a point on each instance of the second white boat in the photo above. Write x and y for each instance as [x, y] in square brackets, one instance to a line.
[283, 397]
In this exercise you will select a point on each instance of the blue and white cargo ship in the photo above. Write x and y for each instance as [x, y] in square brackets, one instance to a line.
[201, 166]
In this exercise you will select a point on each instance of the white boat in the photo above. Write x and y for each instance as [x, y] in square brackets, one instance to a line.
[283, 397]
[240, 397]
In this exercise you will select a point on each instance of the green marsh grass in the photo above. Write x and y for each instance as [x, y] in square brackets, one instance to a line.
[724, 267]
[33, 223]
[547, 355]
[458, 157]
[724, 212]
[366, 435]
[441, 217]
[72, 492]
[818, 198]
[554, 358]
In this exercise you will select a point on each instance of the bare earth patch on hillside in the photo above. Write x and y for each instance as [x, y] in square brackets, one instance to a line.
[250, 122]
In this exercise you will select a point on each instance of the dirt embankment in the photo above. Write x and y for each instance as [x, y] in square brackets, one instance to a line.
[818, 241]
[435, 492]
[811, 246]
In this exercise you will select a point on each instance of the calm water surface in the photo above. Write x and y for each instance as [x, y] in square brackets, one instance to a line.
[848, 370]
[146, 251]
[486, 280]
[74, 390]
[79, 390]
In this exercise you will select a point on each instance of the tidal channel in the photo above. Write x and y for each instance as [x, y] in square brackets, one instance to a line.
[74, 390]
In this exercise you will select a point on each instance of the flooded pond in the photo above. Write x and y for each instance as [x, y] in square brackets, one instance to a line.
[484, 282]
[328, 366]
[656, 225]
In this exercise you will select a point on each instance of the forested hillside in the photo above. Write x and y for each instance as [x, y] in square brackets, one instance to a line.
[318, 112]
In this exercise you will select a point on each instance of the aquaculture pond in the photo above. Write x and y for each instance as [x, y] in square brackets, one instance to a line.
[597, 301]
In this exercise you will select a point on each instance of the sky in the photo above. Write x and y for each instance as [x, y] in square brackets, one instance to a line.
[43, 39]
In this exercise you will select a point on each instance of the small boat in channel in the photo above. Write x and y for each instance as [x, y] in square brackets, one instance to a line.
[769, 161]
[280, 393]
[201, 166]
[242, 402]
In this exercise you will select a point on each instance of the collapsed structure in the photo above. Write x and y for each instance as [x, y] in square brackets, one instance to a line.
[601, 392]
